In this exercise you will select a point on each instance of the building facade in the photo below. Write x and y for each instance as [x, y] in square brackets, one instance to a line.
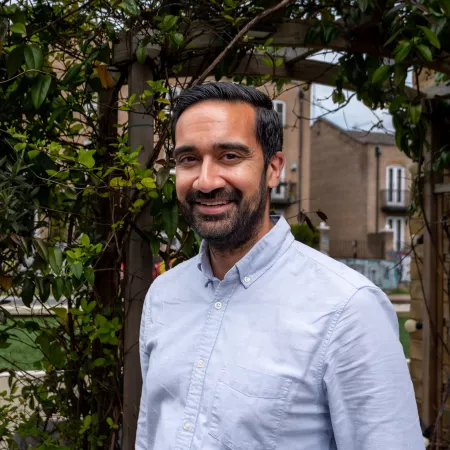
[361, 181]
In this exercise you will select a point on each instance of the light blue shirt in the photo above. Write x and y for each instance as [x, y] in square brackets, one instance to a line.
[291, 351]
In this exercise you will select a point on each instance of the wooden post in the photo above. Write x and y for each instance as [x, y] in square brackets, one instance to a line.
[430, 363]
[138, 262]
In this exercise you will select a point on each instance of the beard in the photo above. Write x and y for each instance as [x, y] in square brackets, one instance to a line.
[234, 228]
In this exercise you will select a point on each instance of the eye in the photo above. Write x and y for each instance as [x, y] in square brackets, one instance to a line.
[186, 160]
[230, 156]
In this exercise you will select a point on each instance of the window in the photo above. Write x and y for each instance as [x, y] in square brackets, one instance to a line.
[280, 191]
[280, 108]
[395, 185]
[397, 225]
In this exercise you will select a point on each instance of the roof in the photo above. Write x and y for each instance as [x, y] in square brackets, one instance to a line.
[364, 137]
[372, 137]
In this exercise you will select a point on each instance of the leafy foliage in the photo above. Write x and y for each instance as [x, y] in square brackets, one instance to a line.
[73, 190]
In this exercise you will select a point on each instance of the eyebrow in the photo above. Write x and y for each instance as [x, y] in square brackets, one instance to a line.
[217, 146]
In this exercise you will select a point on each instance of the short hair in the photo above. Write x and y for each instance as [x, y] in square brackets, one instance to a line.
[268, 126]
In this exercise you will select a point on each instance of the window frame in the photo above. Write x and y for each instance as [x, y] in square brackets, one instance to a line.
[283, 112]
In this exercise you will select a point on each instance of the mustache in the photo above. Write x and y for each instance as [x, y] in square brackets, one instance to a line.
[229, 195]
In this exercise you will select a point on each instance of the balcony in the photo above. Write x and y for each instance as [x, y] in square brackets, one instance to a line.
[394, 200]
[284, 194]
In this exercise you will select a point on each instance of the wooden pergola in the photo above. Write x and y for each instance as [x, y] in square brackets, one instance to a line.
[203, 43]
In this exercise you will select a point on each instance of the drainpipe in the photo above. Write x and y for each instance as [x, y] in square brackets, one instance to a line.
[301, 96]
[377, 190]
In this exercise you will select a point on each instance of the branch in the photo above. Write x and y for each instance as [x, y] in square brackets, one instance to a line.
[239, 36]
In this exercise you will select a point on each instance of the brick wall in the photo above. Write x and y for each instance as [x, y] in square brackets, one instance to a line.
[338, 181]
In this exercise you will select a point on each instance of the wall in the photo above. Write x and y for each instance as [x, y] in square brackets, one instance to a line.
[338, 181]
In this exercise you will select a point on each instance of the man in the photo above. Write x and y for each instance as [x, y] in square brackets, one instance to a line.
[260, 342]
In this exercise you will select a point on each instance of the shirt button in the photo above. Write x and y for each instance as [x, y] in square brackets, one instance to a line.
[218, 305]
[200, 363]
[247, 279]
[187, 426]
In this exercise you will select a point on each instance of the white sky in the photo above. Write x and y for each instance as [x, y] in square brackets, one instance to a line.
[355, 115]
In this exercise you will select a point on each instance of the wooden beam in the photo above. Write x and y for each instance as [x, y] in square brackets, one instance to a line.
[138, 261]
[308, 71]
[431, 323]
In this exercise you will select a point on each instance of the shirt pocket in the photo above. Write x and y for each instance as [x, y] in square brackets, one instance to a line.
[248, 408]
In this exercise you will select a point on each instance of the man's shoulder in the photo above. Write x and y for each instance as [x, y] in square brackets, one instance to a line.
[334, 271]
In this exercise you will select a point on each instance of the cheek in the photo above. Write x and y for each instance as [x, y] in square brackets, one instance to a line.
[246, 181]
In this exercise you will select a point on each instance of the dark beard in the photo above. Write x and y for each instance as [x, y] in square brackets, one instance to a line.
[235, 228]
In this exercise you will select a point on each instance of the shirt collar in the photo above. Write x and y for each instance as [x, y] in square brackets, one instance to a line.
[258, 260]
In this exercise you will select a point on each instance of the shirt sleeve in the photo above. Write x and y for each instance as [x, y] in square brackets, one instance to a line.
[366, 378]
[141, 434]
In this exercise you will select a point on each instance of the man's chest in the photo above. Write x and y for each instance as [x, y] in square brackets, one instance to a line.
[232, 366]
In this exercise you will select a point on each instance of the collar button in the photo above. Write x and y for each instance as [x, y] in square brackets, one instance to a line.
[247, 279]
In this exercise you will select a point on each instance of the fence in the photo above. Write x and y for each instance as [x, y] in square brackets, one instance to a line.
[357, 249]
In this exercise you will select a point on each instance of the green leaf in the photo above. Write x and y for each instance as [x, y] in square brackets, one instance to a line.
[432, 38]
[18, 28]
[77, 269]
[141, 53]
[44, 289]
[99, 362]
[381, 74]
[402, 51]
[168, 190]
[55, 259]
[14, 61]
[170, 220]
[393, 37]
[414, 112]
[57, 288]
[162, 177]
[20, 146]
[41, 248]
[39, 89]
[425, 52]
[72, 74]
[33, 154]
[177, 40]
[363, 4]
[130, 7]
[90, 275]
[28, 292]
[34, 59]
[155, 244]
[400, 73]
[168, 23]
[445, 5]
[85, 241]
[86, 159]
[148, 182]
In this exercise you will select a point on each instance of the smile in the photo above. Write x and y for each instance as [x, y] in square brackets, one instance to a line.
[213, 207]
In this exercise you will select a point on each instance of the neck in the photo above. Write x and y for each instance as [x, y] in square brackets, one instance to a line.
[223, 260]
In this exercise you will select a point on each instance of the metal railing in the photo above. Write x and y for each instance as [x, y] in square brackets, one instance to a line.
[284, 194]
[395, 199]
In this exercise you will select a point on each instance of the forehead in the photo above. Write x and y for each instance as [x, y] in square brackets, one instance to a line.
[216, 119]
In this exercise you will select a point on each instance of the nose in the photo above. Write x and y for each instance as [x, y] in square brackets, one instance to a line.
[209, 178]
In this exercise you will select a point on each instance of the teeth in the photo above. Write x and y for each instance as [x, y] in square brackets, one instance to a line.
[214, 203]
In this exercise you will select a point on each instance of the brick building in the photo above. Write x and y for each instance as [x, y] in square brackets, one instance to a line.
[361, 181]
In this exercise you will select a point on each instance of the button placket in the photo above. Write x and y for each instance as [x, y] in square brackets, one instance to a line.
[209, 337]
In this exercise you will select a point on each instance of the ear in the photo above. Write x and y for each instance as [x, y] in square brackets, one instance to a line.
[274, 169]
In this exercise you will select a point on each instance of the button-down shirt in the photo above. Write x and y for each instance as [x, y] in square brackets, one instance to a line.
[292, 350]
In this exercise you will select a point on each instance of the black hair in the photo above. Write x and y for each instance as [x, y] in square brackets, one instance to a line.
[268, 127]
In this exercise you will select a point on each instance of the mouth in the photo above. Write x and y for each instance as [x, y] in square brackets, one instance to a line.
[213, 206]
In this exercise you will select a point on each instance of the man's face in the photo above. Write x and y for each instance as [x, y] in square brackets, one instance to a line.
[222, 184]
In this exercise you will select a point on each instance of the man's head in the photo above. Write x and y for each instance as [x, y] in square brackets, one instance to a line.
[228, 143]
